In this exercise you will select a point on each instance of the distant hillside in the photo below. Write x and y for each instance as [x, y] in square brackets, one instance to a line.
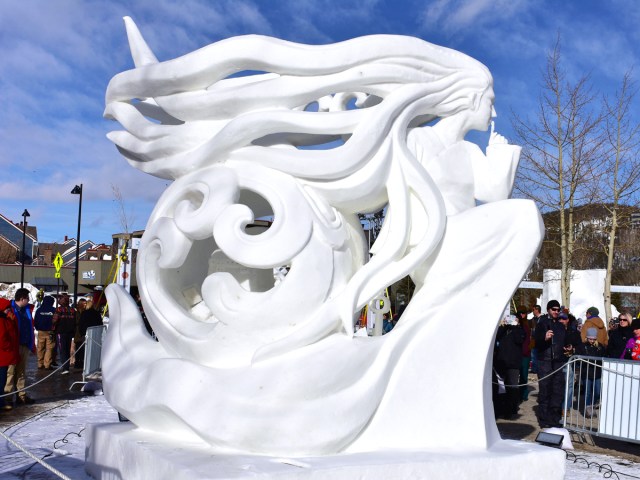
[591, 222]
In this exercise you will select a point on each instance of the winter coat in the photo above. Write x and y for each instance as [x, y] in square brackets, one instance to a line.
[553, 350]
[618, 339]
[25, 325]
[590, 371]
[43, 320]
[633, 347]
[9, 340]
[509, 341]
[64, 320]
[89, 318]
[598, 324]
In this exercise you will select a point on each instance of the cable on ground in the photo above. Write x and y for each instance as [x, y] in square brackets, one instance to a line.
[606, 469]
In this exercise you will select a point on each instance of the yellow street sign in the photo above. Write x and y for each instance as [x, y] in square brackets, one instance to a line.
[57, 262]
[56, 275]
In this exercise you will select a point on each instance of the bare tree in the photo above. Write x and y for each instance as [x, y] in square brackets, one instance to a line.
[8, 252]
[620, 176]
[559, 150]
[126, 218]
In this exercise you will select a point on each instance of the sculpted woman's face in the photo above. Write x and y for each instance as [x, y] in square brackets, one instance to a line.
[480, 117]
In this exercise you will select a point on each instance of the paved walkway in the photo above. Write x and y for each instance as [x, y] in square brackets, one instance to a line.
[48, 392]
[525, 427]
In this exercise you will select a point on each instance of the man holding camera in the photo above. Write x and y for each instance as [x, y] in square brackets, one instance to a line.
[550, 336]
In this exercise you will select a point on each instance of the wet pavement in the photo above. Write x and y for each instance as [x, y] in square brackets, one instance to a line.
[48, 388]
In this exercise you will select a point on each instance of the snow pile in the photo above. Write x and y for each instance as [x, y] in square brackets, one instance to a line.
[8, 291]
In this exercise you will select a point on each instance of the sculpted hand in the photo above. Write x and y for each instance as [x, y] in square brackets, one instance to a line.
[496, 138]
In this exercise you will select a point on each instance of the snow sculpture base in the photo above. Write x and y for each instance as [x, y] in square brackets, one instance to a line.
[117, 451]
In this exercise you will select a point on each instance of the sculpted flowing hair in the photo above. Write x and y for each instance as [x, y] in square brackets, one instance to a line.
[368, 91]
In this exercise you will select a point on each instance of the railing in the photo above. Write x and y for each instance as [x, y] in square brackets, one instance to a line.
[605, 397]
[92, 353]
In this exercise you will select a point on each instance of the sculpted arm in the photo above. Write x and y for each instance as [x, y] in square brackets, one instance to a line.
[494, 172]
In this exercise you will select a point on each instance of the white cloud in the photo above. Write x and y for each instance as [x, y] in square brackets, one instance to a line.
[435, 11]
[464, 17]
[57, 58]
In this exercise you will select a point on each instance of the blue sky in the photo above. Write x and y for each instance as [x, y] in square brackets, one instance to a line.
[57, 57]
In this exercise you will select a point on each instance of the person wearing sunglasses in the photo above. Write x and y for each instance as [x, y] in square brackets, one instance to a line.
[619, 337]
[632, 348]
[550, 342]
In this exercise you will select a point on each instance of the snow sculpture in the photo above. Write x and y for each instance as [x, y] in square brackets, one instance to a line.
[275, 370]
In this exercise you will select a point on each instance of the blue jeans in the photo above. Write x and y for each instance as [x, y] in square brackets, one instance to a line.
[570, 371]
[64, 342]
[534, 360]
[592, 394]
[3, 382]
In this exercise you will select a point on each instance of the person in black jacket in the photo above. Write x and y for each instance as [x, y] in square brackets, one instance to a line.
[591, 373]
[619, 337]
[90, 317]
[555, 343]
[43, 322]
[508, 361]
[64, 323]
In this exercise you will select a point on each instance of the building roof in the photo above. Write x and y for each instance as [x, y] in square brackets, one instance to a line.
[48, 282]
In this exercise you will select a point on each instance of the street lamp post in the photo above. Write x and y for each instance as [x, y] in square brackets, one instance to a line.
[77, 190]
[25, 214]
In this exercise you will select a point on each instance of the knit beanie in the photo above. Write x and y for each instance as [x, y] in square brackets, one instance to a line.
[593, 312]
[592, 333]
[553, 303]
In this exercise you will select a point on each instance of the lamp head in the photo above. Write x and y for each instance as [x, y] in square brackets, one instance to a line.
[25, 213]
[77, 190]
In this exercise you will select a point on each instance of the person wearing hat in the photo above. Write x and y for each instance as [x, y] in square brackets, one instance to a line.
[619, 337]
[594, 321]
[632, 349]
[550, 341]
[591, 374]
[9, 345]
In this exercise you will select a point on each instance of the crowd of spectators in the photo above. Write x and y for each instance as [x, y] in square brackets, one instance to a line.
[543, 344]
[50, 332]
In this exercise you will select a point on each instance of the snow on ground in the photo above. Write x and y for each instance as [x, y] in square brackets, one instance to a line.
[57, 436]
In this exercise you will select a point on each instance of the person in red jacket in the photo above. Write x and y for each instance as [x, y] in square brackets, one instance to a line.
[9, 345]
[16, 374]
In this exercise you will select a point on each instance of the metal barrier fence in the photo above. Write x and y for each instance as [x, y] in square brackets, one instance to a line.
[92, 353]
[93, 350]
[605, 397]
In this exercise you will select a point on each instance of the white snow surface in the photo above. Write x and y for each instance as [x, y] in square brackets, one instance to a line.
[40, 434]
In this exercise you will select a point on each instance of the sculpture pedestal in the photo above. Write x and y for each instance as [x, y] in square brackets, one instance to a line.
[117, 451]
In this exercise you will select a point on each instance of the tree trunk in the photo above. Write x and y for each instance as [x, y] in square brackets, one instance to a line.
[609, 272]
